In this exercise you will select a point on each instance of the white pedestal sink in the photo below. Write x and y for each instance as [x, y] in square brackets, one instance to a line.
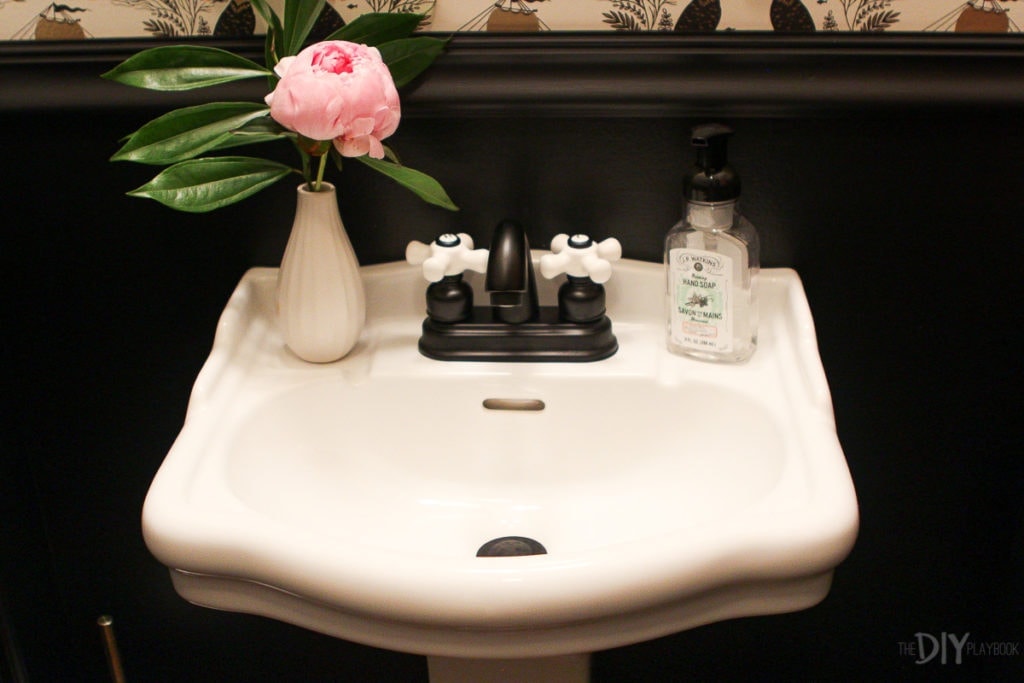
[351, 498]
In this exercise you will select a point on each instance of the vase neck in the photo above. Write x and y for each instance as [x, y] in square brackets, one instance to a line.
[326, 200]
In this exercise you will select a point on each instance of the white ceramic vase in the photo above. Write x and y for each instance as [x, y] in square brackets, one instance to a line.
[321, 306]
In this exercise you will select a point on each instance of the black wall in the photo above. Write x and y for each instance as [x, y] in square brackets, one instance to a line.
[896, 189]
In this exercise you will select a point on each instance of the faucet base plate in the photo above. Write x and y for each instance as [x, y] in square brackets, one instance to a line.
[544, 339]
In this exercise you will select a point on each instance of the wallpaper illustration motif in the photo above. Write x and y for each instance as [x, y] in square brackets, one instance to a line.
[79, 19]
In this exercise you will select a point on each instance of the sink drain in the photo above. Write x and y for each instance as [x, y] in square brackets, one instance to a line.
[511, 546]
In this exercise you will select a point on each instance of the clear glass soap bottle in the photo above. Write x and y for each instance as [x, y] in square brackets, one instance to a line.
[712, 261]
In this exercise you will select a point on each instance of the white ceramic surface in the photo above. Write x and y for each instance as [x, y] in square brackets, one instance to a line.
[351, 498]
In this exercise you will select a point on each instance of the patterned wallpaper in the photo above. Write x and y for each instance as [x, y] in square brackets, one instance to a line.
[81, 19]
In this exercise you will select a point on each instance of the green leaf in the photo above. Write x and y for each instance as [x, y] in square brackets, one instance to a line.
[422, 185]
[188, 132]
[262, 129]
[337, 159]
[265, 126]
[274, 32]
[183, 67]
[200, 185]
[266, 12]
[407, 58]
[376, 28]
[391, 155]
[299, 18]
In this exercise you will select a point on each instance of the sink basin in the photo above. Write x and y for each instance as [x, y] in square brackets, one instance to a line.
[351, 498]
[295, 459]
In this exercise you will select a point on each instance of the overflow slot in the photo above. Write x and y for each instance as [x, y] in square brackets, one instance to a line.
[528, 404]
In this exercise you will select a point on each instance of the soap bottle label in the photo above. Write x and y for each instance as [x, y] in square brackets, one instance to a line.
[700, 285]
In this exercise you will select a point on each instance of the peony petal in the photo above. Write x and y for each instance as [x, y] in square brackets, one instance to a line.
[352, 148]
[359, 127]
[282, 67]
[386, 122]
[376, 148]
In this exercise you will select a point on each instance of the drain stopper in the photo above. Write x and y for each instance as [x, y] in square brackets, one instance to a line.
[511, 546]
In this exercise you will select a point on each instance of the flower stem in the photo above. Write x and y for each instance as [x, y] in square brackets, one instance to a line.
[305, 168]
[320, 173]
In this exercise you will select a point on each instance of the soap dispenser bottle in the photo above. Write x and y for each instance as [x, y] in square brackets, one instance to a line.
[711, 261]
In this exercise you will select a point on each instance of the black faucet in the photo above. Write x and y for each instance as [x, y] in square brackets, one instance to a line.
[513, 327]
[510, 280]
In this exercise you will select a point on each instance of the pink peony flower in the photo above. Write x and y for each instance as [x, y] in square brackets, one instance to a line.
[339, 91]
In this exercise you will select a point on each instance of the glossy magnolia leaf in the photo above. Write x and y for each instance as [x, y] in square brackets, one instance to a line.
[186, 133]
[391, 155]
[408, 58]
[183, 67]
[274, 33]
[422, 185]
[299, 18]
[201, 185]
[261, 129]
[377, 28]
[267, 13]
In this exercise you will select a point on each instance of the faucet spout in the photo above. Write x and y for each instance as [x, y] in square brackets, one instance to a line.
[510, 279]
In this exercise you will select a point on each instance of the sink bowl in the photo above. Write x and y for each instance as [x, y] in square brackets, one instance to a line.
[352, 498]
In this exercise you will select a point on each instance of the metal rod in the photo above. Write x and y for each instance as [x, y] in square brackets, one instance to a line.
[106, 624]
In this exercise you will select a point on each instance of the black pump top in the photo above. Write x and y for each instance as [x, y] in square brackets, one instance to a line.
[712, 178]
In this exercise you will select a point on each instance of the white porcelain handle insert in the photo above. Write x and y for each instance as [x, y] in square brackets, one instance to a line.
[580, 256]
[449, 254]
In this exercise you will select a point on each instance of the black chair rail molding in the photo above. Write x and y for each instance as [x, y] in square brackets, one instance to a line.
[602, 74]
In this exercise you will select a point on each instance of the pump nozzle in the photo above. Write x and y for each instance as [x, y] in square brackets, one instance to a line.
[710, 141]
[712, 180]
